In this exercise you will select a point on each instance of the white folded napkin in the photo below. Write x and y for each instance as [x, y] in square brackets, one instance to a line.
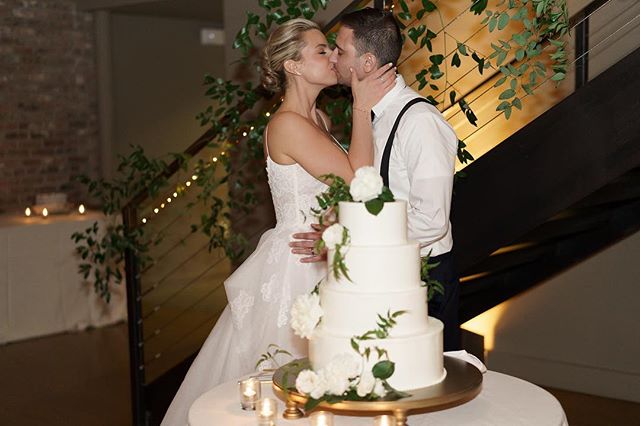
[471, 359]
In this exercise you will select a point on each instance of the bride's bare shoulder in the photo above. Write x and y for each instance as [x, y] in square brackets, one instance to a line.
[291, 125]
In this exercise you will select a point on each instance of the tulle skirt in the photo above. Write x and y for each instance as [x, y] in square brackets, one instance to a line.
[260, 294]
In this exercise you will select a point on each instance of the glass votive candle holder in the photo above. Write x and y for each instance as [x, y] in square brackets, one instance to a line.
[266, 410]
[385, 420]
[249, 393]
[321, 418]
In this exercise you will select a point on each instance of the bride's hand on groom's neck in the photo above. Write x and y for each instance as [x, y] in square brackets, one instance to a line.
[368, 91]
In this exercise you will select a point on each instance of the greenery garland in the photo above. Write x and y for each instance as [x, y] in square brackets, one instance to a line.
[239, 134]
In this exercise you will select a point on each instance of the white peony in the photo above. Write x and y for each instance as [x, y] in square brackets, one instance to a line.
[307, 381]
[379, 389]
[305, 314]
[336, 383]
[366, 185]
[320, 387]
[366, 384]
[346, 365]
[333, 235]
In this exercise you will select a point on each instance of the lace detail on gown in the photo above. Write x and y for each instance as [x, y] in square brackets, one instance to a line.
[260, 293]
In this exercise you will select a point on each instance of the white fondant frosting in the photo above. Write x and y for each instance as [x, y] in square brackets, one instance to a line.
[389, 227]
[380, 268]
[348, 312]
[418, 359]
[385, 277]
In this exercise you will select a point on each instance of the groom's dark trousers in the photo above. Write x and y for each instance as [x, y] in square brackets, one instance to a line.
[445, 307]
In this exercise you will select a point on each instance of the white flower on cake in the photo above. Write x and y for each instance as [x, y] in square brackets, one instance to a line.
[320, 387]
[339, 372]
[379, 389]
[346, 365]
[366, 384]
[305, 314]
[366, 185]
[333, 235]
[307, 381]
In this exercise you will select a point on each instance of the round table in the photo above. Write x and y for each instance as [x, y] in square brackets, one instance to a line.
[504, 400]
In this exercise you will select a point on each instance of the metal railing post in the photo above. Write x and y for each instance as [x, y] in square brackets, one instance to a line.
[134, 323]
[582, 53]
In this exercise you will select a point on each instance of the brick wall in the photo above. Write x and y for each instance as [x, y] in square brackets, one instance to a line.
[48, 100]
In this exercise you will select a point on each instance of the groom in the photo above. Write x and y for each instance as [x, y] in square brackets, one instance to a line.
[415, 154]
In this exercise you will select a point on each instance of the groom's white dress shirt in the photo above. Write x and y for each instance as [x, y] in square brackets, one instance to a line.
[421, 166]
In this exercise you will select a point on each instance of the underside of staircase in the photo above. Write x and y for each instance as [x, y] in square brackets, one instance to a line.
[556, 192]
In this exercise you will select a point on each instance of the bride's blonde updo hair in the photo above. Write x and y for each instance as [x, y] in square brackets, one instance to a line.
[284, 43]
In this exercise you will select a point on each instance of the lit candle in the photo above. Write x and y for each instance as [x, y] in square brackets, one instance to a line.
[45, 212]
[81, 209]
[27, 212]
[249, 393]
[385, 420]
[266, 410]
[321, 418]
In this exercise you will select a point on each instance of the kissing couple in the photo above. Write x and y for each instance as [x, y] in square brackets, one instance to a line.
[418, 166]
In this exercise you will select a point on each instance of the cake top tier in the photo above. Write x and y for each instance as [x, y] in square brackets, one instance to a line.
[389, 227]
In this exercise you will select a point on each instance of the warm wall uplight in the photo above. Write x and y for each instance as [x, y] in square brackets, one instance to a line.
[27, 212]
[144, 220]
[188, 183]
[45, 212]
[81, 209]
[485, 325]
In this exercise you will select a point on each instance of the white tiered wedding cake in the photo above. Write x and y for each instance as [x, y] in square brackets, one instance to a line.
[384, 268]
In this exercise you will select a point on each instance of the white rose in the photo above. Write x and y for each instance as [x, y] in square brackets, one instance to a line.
[320, 387]
[307, 381]
[305, 314]
[366, 185]
[379, 389]
[333, 235]
[366, 384]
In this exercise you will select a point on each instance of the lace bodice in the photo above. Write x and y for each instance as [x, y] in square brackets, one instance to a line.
[294, 192]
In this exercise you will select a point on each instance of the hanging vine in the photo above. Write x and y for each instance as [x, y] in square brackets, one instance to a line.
[240, 112]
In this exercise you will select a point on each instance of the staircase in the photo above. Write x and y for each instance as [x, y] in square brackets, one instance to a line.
[549, 189]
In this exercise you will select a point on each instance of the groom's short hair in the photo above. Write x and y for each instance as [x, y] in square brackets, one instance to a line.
[375, 31]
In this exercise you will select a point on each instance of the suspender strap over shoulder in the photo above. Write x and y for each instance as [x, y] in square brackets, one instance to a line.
[384, 165]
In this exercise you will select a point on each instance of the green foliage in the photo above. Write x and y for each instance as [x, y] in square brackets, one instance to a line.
[270, 355]
[433, 286]
[102, 250]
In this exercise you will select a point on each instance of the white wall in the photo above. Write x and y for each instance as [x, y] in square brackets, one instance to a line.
[578, 331]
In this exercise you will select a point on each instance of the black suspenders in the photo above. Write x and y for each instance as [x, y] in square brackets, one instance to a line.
[384, 165]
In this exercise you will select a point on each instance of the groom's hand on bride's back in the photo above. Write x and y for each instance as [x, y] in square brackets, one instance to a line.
[304, 244]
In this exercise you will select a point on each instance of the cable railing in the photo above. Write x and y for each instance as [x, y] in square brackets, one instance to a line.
[174, 302]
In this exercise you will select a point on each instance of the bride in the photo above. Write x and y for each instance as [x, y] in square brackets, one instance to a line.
[298, 149]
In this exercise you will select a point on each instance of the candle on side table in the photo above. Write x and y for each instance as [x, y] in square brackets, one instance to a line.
[249, 393]
[266, 410]
[321, 418]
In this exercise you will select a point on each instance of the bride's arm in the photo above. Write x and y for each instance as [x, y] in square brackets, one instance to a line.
[364, 99]
[292, 138]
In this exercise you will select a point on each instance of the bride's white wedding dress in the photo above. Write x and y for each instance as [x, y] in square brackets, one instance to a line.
[260, 293]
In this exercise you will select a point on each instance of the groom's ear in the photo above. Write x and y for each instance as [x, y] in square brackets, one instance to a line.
[369, 63]
[291, 67]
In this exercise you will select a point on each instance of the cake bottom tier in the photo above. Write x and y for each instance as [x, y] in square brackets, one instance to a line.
[418, 359]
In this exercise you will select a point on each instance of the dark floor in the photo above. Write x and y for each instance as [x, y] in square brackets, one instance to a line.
[83, 379]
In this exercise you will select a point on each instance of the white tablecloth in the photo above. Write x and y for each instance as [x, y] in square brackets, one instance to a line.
[41, 291]
[503, 401]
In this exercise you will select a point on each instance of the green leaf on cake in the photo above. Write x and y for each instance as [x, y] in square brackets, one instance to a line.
[383, 369]
[374, 206]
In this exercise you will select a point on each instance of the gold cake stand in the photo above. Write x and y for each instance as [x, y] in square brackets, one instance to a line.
[462, 383]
